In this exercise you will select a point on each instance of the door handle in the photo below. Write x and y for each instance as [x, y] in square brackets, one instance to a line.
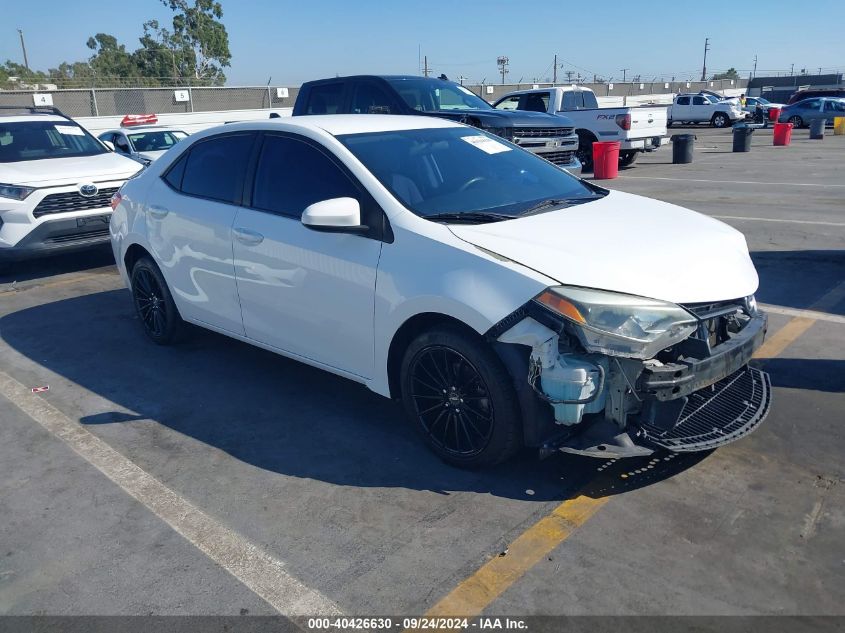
[245, 236]
[158, 212]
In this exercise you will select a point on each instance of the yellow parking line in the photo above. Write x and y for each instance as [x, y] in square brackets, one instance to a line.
[475, 593]
[784, 337]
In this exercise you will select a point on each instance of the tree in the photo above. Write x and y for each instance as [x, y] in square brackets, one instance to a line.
[730, 73]
[110, 59]
[199, 41]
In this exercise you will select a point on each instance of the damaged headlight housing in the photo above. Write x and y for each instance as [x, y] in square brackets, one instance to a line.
[617, 324]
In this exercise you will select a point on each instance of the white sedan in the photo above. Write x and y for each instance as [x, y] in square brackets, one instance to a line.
[505, 302]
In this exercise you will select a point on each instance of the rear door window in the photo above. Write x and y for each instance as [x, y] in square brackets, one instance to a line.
[590, 101]
[370, 98]
[683, 101]
[325, 99]
[215, 168]
[571, 100]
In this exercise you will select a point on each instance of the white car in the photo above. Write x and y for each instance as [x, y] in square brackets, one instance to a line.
[699, 108]
[144, 143]
[56, 181]
[504, 301]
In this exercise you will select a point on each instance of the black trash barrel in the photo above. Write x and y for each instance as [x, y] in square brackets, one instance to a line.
[682, 145]
[817, 128]
[742, 137]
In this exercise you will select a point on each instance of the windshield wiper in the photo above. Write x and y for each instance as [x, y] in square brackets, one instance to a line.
[556, 202]
[469, 217]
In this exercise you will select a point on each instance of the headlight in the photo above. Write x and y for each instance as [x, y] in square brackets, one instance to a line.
[620, 325]
[15, 192]
[504, 132]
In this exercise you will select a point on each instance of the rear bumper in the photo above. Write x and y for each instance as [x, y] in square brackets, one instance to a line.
[647, 144]
[61, 235]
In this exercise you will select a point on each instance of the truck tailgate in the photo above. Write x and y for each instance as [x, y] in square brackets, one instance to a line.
[647, 121]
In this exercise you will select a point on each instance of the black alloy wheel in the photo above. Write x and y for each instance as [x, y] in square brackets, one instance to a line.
[452, 401]
[154, 304]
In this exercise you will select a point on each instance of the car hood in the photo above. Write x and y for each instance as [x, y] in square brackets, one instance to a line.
[152, 155]
[68, 171]
[629, 244]
[508, 118]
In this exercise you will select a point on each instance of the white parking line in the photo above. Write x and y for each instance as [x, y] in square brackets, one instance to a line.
[782, 220]
[256, 569]
[736, 182]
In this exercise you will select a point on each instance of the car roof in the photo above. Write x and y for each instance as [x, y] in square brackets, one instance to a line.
[338, 124]
[22, 118]
[142, 128]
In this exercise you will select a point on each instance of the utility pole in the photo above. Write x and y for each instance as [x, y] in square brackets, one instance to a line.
[503, 62]
[569, 76]
[23, 48]
[704, 65]
[554, 73]
[792, 69]
[754, 72]
[425, 66]
[624, 72]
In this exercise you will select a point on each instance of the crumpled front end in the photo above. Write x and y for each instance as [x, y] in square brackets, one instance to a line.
[695, 394]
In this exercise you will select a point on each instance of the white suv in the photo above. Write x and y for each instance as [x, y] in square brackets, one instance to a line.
[56, 182]
[504, 301]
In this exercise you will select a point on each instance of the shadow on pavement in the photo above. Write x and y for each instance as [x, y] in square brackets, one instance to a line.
[798, 279]
[274, 413]
[812, 374]
[30, 269]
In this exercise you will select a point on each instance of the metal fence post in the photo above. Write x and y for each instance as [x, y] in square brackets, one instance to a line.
[190, 97]
[269, 97]
[94, 101]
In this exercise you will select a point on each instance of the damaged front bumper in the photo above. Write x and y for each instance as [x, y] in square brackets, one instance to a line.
[694, 398]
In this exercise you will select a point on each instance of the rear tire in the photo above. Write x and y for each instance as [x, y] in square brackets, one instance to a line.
[154, 304]
[460, 398]
[627, 158]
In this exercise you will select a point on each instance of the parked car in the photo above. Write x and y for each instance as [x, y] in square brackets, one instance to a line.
[638, 129]
[688, 108]
[801, 113]
[751, 104]
[56, 181]
[717, 96]
[548, 136]
[812, 93]
[503, 300]
[144, 142]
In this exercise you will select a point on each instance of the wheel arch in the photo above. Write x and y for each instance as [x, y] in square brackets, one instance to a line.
[133, 253]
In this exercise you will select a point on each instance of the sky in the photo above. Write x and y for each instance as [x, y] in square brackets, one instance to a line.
[285, 43]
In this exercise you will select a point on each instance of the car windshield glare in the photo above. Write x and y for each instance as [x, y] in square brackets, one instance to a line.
[463, 170]
[431, 95]
[36, 140]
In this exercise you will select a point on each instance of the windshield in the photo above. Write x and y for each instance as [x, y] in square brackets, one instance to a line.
[429, 95]
[464, 171]
[711, 98]
[35, 140]
[762, 100]
[155, 141]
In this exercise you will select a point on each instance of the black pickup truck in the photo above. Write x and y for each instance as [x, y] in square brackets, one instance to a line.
[551, 137]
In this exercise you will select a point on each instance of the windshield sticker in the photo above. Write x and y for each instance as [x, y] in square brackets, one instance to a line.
[486, 144]
[70, 130]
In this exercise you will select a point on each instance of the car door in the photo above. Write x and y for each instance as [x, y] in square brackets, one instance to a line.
[306, 292]
[832, 109]
[190, 211]
[701, 109]
[681, 109]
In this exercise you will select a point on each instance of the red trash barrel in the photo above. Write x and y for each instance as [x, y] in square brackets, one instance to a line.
[783, 133]
[606, 159]
[774, 113]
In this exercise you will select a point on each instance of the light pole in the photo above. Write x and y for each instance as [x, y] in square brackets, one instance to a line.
[23, 48]
[503, 62]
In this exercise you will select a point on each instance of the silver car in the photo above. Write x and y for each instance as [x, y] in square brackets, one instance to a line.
[801, 113]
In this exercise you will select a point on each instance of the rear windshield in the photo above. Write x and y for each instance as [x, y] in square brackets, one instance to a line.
[36, 140]
[429, 95]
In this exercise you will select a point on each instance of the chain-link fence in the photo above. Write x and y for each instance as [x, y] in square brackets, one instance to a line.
[120, 101]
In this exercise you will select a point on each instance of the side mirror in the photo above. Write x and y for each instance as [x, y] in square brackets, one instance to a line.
[338, 215]
[109, 145]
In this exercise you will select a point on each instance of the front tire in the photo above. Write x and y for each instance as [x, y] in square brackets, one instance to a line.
[721, 120]
[460, 398]
[154, 304]
[796, 121]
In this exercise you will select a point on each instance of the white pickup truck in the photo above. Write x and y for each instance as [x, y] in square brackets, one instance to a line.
[638, 129]
[700, 108]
